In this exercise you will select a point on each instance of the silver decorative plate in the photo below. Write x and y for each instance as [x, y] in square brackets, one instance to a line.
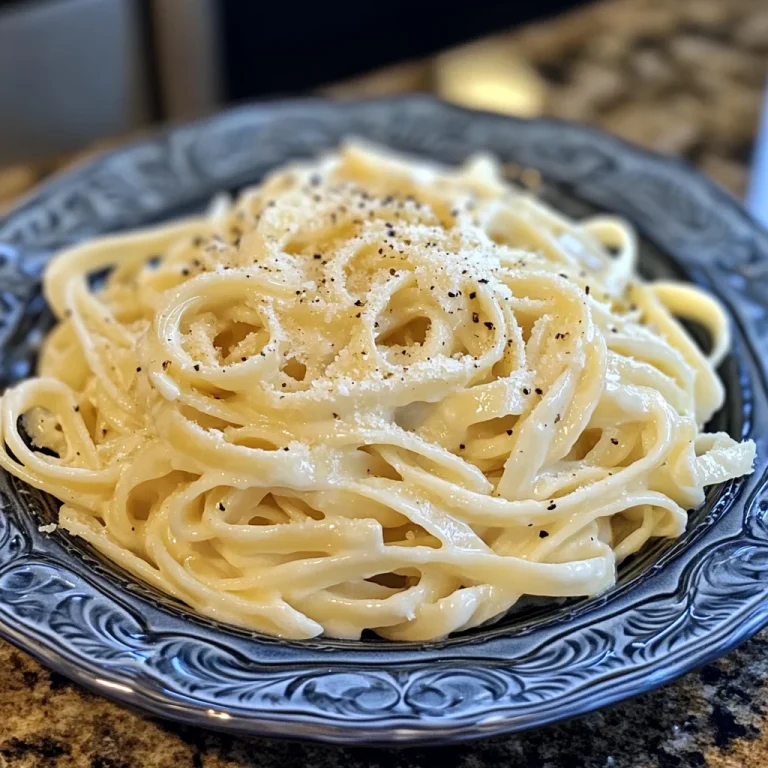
[677, 604]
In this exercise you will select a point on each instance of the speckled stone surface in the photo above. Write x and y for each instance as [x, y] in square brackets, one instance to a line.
[683, 76]
[714, 717]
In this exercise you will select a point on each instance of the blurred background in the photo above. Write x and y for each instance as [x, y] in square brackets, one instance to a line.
[685, 77]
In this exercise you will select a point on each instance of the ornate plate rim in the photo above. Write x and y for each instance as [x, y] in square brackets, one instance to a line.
[113, 640]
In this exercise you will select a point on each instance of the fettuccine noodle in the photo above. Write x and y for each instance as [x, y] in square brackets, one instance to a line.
[372, 393]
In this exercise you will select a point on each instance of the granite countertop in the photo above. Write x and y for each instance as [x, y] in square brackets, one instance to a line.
[681, 76]
[714, 717]
[685, 77]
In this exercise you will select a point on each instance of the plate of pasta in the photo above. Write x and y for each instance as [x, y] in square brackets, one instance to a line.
[318, 421]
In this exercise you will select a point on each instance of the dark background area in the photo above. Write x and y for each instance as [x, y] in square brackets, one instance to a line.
[266, 50]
